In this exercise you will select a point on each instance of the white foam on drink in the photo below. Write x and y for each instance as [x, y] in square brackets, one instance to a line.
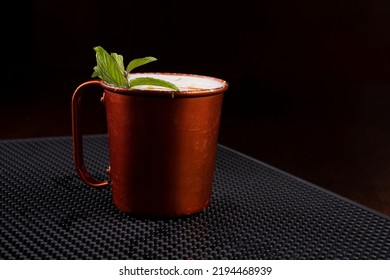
[183, 82]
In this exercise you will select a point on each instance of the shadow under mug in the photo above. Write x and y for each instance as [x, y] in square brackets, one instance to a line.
[162, 148]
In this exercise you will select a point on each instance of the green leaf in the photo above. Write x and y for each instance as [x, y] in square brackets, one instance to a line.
[96, 72]
[139, 62]
[152, 82]
[119, 59]
[108, 69]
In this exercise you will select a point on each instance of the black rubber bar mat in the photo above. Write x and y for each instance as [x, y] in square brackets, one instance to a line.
[257, 212]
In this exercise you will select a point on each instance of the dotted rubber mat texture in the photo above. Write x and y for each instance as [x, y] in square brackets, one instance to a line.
[256, 212]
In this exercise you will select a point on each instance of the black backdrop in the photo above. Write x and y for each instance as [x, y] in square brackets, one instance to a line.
[265, 49]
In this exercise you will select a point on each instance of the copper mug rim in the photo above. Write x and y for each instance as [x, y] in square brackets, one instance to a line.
[170, 93]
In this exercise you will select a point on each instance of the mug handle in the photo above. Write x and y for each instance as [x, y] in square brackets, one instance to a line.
[77, 139]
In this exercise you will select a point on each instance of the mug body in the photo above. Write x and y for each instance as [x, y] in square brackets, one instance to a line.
[162, 149]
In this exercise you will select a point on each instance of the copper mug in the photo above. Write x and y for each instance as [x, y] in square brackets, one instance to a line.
[162, 145]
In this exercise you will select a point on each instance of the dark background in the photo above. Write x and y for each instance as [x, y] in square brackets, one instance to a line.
[309, 80]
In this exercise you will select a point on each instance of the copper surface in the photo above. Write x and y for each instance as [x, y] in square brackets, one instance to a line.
[162, 149]
[78, 157]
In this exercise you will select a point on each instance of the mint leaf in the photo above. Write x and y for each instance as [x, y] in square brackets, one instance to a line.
[96, 72]
[119, 59]
[142, 81]
[108, 69]
[139, 62]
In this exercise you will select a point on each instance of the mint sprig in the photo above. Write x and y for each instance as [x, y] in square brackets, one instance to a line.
[110, 68]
